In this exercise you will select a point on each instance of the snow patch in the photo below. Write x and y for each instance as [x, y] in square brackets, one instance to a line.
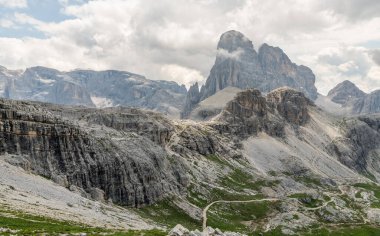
[101, 102]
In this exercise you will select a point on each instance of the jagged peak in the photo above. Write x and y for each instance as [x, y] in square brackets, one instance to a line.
[272, 53]
[233, 40]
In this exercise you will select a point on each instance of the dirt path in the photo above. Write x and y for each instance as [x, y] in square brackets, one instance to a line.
[204, 213]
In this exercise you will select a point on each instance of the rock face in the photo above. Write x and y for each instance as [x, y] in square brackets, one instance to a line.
[355, 100]
[94, 154]
[359, 150]
[238, 65]
[291, 104]
[192, 99]
[279, 71]
[92, 88]
[250, 112]
[368, 105]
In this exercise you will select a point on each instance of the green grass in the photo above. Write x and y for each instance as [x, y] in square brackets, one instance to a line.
[215, 158]
[167, 214]
[229, 216]
[239, 180]
[364, 230]
[369, 187]
[27, 224]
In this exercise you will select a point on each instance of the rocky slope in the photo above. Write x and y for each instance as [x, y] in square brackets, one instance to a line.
[237, 64]
[92, 88]
[321, 170]
[352, 100]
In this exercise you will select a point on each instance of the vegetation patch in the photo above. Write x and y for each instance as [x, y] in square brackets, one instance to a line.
[345, 230]
[18, 223]
[168, 214]
[369, 187]
[239, 180]
[237, 217]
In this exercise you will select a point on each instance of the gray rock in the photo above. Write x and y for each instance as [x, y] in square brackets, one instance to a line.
[192, 99]
[131, 170]
[238, 65]
[291, 104]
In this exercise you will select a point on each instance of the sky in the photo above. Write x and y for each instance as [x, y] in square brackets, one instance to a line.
[176, 40]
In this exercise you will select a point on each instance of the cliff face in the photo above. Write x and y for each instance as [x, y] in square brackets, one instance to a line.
[238, 65]
[131, 170]
[250, 112]
[192, 99]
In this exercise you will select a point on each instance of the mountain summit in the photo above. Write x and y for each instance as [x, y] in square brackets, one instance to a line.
[344, 92]
[238, 64]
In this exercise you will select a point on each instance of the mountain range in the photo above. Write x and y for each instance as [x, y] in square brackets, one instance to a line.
[92, 89]
[260, 153]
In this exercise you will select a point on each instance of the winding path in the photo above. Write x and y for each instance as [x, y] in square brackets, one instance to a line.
[204, 213]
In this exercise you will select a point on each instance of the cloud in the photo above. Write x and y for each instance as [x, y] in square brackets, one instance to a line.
[234, 54]
[161, 40]
[376, 56]
[336, 64]
[352, 10]
[14, 3]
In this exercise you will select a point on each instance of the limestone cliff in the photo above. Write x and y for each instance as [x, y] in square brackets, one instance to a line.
[237, 64]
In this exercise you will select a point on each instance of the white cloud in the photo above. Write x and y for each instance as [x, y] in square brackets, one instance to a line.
[14, 3]
[176, 40]
[234, 54]
[181, 74]
[6, 23]
[341, 63]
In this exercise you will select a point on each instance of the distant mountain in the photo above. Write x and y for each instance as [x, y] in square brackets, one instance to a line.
[352, 100]
[92, 89]
[345, 92]
[238, 65]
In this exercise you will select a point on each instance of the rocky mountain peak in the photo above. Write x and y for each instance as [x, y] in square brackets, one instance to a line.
[273, 58]
[345, 92]
[233, 40]
[238, 65]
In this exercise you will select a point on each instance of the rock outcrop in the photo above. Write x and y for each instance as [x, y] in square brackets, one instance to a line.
[291, 104]
[238, 65]
[179, 230]
[92, 89]
[250, 112]
[118, 153]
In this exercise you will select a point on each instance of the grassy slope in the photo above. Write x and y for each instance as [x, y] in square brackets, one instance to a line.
[26, 224]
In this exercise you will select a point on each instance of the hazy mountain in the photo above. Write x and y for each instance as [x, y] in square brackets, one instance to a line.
[92, 89]
[352, 100]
